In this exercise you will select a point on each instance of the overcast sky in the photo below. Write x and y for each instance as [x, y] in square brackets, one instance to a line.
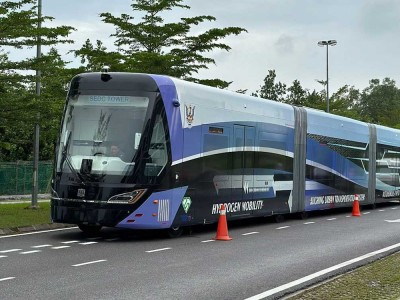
[282, 35]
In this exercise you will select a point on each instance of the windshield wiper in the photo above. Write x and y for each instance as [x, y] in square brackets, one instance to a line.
[66, 158]
[71, 167]
[65, 151]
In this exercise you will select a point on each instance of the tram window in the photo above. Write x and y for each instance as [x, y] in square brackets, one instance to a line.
[158, 148]
[215, 142]
[273, 140]
[215, 163]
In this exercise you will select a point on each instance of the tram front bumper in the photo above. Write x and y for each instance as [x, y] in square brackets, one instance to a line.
[69, 212]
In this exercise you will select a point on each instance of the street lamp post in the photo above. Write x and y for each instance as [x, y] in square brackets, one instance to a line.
[327, 44]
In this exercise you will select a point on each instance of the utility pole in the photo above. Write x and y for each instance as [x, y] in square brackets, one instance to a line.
[327, 44]
[39, 46]
[35, 175]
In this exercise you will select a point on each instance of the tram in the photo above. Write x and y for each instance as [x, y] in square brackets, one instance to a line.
[145, 151]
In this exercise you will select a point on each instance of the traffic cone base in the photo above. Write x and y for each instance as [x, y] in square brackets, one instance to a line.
[356, 207]
[222, 229]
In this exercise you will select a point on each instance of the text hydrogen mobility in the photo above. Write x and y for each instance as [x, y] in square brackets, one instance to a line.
[238, 206]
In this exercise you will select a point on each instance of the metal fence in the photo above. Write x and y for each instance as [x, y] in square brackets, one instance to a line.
[16, 177]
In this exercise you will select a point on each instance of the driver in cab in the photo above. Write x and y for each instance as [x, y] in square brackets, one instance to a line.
[115, 151]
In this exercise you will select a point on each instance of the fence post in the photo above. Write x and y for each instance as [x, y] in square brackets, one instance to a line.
[16, 178]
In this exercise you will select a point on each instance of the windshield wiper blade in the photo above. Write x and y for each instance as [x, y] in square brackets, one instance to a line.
[65, 158]
[65, 151]
[71, 167]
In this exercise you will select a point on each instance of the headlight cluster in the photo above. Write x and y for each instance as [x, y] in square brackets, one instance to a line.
[127, 198]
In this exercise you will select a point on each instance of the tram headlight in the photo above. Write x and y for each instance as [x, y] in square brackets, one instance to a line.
[127, 198]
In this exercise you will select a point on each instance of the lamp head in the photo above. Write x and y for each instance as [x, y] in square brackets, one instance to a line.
[332, 42]
[327, 43]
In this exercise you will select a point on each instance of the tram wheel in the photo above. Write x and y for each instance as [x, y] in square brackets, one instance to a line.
[89, 229]
[303, 215]
[279, 218]
[174, 232]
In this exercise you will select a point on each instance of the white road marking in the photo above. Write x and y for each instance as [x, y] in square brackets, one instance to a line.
[36, 232]
[69, 242]
[60, 247]
[320, 273]
[381, 210]
[393, 221]
[283, 227]
[306, 223]
[3, 256]
[394, 208]
[348, 216]
[366, 213]
[249, 233]
[11, 250]
[41, 246]
[88, 243]
[89, 263]
[158, 250]
[331, 219]
[7, 278]
[208, 241]
[30, 252]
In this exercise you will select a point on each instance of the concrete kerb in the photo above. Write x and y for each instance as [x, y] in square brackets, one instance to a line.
[23, 198]
[38, 227]
[26, 199]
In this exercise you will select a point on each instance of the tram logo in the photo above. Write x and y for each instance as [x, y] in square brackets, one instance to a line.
[189, 111]
[186, 202]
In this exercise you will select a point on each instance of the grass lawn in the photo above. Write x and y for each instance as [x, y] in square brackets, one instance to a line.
[19, 215]
[378, 280]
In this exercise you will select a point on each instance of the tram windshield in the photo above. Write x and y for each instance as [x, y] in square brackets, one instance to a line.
[101, 134]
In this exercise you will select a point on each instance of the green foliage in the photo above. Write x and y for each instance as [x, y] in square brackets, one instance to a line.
[380, 103]
[296, 94]
[19, 104]
[19, 26]
[344, 102]
[271, 90]
[154, 46]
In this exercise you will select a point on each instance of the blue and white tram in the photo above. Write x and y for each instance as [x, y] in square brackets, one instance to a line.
[186, 148]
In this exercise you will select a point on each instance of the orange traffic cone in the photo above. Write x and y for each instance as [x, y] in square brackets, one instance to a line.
[222, 229]
[356, 207]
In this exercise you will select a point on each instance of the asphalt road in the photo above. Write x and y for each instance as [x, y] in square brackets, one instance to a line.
[263, 257]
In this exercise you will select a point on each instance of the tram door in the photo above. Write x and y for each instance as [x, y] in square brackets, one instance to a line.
[243, 163]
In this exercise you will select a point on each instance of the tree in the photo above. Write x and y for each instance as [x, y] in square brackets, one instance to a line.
[153, 46]
[380, 103]
[344, 102]
[18, 26]
[55, 76]
[293, 95]
[316, 100]
[296, 94]
[18, 102]
[271, 90]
